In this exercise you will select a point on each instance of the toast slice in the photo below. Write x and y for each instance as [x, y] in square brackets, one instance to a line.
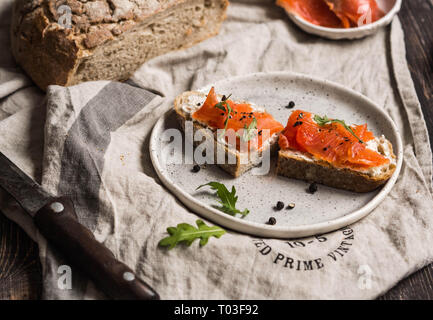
[188, 102]
[302, 165]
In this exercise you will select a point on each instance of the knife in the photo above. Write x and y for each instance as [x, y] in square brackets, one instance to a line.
[56, 220]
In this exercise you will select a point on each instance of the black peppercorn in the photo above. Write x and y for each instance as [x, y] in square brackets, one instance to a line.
[312, 188]
[290, 105]
[272, 221]
[196, 168]
[279, 206]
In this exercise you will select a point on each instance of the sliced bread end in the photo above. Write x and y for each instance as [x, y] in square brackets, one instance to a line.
[302, 166]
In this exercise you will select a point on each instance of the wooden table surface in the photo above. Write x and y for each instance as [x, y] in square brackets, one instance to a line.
[20, 269]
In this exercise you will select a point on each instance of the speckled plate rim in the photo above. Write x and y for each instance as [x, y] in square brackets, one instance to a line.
[342, 33]
[263, 230]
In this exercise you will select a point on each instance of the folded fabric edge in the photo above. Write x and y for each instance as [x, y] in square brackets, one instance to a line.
[411, 104]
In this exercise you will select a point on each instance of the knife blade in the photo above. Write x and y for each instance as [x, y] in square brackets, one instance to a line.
[24, 190]
[56, 220]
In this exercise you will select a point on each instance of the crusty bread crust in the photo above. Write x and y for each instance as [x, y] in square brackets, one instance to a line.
[108, 40]
[292, 166]
[235, 169]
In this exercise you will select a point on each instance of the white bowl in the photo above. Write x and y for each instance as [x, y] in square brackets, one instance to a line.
[390, 7]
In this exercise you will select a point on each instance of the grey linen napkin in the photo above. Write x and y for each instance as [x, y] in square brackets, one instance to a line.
[91, 142]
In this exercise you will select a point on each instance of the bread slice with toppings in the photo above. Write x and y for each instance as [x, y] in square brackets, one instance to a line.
[235, 162]
[362, 164]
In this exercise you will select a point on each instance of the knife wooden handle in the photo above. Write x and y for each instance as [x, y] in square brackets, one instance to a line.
[58, 224]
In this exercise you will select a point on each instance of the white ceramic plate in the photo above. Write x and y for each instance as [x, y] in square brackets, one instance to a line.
[390, 7]
[326, 210]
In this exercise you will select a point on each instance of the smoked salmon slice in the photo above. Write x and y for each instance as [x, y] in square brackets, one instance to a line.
[331, 142]
[314, 11]
[355, 12]
[215, 114]
[334, 13]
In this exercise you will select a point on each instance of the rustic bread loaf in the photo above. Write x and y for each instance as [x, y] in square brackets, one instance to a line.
[106, 39]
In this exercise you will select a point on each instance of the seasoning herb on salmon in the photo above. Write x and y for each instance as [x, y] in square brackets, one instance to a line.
[249, 131]
[324, 120]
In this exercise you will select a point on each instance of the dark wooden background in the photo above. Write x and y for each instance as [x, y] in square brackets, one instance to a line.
[20, 270]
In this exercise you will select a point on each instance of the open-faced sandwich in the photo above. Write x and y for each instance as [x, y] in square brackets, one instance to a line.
[230, 125]
[328, 151]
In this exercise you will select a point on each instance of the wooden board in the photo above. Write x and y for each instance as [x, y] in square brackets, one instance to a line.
[20, 270]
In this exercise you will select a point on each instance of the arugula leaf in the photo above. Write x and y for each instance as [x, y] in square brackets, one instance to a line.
[249, 131]
[187, 233]
[227, 199]
[321, 121]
